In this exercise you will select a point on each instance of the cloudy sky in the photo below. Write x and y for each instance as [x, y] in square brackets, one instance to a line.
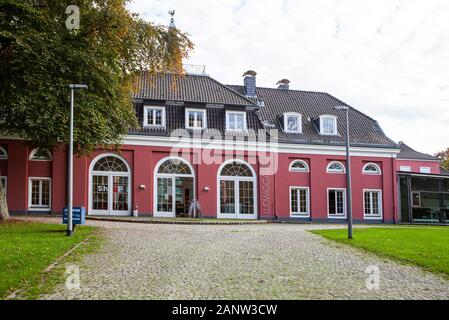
[388, 58]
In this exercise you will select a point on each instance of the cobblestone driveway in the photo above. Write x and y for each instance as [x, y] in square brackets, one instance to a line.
[273, 261]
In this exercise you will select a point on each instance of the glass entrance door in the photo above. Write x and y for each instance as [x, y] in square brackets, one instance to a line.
[110, 195]
[174, 196]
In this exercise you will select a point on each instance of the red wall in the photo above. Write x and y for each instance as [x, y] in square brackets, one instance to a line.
[272, 192]
[415, 165]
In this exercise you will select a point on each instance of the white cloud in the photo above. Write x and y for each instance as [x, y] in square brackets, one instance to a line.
[388, 58]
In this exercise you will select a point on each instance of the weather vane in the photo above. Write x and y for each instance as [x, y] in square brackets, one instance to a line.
[172, 13]
[172, 20]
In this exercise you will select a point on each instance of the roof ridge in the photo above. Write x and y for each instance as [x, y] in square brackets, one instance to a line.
[295, 90]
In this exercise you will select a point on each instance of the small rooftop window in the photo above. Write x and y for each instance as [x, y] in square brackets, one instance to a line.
[328, 125]
[292, 122]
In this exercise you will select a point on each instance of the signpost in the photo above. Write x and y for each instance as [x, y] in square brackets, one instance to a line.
[78, 215]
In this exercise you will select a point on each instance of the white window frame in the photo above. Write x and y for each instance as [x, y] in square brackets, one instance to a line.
[32, 207]
[145, 116]
[291, 169]
[334, 132]
[236, 180]
[156, 175]
[296, 115]
[419, 198]
[203, 111]
[228, 113]
[380, 203]
[109, 175]
[345, 207]
[405, 168]
[425, 169]
[35, 150]
[378, 172]
[299, 214]
[328, 170]
[5, 154]
[5, 185]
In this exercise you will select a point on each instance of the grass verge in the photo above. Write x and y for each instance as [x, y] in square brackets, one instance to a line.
[427, 247]
[26, 249]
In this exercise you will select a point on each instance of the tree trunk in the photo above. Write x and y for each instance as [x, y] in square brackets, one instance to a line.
[4, 214]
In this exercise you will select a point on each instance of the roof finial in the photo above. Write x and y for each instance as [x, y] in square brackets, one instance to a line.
[172, 20]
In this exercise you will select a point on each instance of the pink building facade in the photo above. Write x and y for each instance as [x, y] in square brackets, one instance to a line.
[295, 170]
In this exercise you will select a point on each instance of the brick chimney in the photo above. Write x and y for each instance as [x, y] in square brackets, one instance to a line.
[283, 84]
[249, 81]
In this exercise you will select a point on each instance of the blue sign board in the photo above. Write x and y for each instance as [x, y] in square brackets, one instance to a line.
[78, 215]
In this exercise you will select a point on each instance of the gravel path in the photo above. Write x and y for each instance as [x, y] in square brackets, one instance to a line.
[272, 261]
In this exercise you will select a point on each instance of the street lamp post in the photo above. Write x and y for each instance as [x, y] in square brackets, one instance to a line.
[70, 161]
[348, 172]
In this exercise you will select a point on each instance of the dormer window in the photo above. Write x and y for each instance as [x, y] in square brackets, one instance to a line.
[195, 119]
[236, 120]
[292, 122]
[153, 116]
[328, 125]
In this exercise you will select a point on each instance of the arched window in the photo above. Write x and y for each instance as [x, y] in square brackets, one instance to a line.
[371, 168]
[236, 190]
[3, 154]
[174, 187]
[299, 166]
[40, 154]
[335, 167]
[110, 163]
[236, 169]
[110, 178]
[174, 166]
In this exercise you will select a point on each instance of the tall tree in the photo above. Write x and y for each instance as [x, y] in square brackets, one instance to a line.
[444, 158]
[40, 56]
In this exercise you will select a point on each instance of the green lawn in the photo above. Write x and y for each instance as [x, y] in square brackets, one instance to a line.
[26, 249]
[427, 247]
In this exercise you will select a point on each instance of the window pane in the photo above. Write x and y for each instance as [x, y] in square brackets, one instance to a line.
[120, 193]
[45, 193]
[227, 196]
[191, 119]
[239, 121]
[332, 208]
[100, 192]
[340, 206]
[246, 198]
[294, 201]
[328, 125]
[367, 203]
[303, 200]
[199, 119]
[35, 190]
[157, 117]
[292, 123]
[164, 195]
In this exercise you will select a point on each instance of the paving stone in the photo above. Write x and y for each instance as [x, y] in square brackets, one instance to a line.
[269, 261]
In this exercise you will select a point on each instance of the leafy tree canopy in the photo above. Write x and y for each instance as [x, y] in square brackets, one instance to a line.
[40, 57]
[444, 157]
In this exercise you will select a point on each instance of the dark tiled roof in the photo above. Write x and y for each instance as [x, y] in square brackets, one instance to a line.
[444, 172]
[187, 88]
[409, 153]
[363, 130]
